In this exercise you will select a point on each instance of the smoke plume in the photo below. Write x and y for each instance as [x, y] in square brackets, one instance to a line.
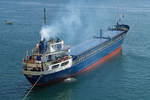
[76, 24]
[48, 32]
[65, 27]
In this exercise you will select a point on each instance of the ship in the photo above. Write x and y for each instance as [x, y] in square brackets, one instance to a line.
[52, 60]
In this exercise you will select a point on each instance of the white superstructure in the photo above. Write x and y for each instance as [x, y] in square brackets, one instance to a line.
[48, 57]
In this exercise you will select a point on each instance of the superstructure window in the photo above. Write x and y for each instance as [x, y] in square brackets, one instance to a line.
[55, 66]
[65, 63]
[49, 57]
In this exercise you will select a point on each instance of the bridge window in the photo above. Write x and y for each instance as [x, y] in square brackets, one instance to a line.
[55, 66]
[65, 63]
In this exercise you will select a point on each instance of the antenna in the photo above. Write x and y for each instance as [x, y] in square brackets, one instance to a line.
[44, 16]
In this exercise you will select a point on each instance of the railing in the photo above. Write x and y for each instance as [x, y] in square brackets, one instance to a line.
[61, 59]
[33, 69]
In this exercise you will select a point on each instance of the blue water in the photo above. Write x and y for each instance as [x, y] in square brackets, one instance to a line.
[126, 77]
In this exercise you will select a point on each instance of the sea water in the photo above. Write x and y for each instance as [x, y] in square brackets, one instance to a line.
[126, 77]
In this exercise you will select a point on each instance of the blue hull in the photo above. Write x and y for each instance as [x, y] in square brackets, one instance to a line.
[78, 66]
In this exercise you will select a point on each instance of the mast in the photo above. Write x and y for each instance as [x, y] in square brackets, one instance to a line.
[101, 33]
[44, 16]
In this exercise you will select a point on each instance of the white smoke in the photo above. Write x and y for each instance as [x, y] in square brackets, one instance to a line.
[76, 24]
[67, 25]
[48, 32]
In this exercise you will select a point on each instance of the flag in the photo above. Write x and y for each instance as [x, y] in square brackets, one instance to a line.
[122, 15]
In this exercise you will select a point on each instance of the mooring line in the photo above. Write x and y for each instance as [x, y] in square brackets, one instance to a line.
[31, 88]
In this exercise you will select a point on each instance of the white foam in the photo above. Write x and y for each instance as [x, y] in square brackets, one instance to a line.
[70, 79]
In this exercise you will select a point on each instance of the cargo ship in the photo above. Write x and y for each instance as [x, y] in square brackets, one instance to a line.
[52, 61]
